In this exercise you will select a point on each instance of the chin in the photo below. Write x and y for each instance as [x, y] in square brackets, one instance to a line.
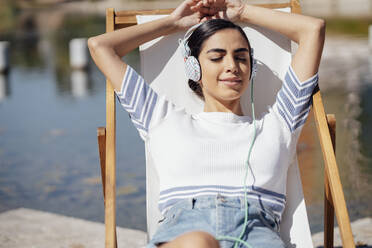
[230, 97]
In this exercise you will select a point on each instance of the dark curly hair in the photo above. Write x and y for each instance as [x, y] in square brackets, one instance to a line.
[203, 32]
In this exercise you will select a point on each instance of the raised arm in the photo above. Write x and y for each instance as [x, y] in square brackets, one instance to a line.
[107, 49]
[294, 98]
[145, 107]
[308, 32]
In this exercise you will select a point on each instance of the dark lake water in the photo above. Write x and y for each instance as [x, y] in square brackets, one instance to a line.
[48, 143]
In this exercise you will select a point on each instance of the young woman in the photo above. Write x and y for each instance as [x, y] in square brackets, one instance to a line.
[201, 158]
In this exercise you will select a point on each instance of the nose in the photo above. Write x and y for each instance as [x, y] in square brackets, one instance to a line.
[231, 65]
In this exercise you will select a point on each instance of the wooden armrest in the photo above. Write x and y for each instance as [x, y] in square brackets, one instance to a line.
[101, 135]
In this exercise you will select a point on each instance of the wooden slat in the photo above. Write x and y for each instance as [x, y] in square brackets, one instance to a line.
[101, 135]
[274, 5]
[295, 6]
[332, 172]
[126, 18]
[329, 212]
[123, 13]
[110, 191]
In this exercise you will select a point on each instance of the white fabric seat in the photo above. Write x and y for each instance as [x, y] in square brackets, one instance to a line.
[162, 67]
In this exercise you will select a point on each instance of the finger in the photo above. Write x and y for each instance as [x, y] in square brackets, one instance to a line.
[208, 17]
[212, 2]
[206, 3]
[200, 4]
[217, 16]
[192, 2]
[208, 10]
[212, 11]
[220, 3]
[224, 15]
[202, 19]
[194, 8]
[204, 10]
[197, 6]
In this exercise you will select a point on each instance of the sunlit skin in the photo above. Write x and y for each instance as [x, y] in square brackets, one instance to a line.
[225, 66]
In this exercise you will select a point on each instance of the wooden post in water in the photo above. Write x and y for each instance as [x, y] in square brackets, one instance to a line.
[370, 37]
[4, 56]
[78, 53]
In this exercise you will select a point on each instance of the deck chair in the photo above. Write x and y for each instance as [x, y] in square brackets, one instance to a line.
[160, 61]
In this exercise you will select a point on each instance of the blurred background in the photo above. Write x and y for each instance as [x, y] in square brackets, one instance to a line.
[52, 99]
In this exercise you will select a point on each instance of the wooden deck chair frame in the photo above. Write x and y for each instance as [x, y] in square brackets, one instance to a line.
[334, 201]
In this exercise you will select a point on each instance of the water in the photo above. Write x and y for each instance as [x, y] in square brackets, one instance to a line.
[48, 144]
[346, 82]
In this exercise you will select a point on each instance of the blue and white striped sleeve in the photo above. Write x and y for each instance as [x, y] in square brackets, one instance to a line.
[294, 99]
[141, 102]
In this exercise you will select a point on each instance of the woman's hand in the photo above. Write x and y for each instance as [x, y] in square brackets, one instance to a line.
[187, 14]
[226, 9]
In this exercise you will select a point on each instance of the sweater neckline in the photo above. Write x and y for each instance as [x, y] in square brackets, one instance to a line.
[223, 117]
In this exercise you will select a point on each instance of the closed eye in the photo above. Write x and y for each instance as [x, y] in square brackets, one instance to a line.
[237, 58]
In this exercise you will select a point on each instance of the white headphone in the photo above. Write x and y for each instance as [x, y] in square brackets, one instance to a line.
[192, 66]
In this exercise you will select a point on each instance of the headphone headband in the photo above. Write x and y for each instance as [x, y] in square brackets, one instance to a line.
[185, 48]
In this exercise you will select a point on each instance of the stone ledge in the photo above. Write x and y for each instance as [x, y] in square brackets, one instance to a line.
[362, 232]
[24, 227]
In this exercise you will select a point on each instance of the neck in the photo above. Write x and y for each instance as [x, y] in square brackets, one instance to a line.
[223, 106]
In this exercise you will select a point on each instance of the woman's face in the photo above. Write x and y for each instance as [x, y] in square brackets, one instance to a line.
[225, 65]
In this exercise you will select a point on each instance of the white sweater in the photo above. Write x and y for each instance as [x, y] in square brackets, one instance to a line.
[205, 153]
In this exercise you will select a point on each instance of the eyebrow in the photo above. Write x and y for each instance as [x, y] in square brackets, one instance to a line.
[220, 50]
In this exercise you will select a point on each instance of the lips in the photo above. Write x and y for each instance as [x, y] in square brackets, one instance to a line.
[231, 81]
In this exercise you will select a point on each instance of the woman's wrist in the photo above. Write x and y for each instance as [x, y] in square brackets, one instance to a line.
[174, 23]
[171, 24]
[245, 12]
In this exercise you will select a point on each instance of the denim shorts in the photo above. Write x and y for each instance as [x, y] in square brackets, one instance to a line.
[220, 216]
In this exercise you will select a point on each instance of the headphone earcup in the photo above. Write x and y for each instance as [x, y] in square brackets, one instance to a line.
[192, 68]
